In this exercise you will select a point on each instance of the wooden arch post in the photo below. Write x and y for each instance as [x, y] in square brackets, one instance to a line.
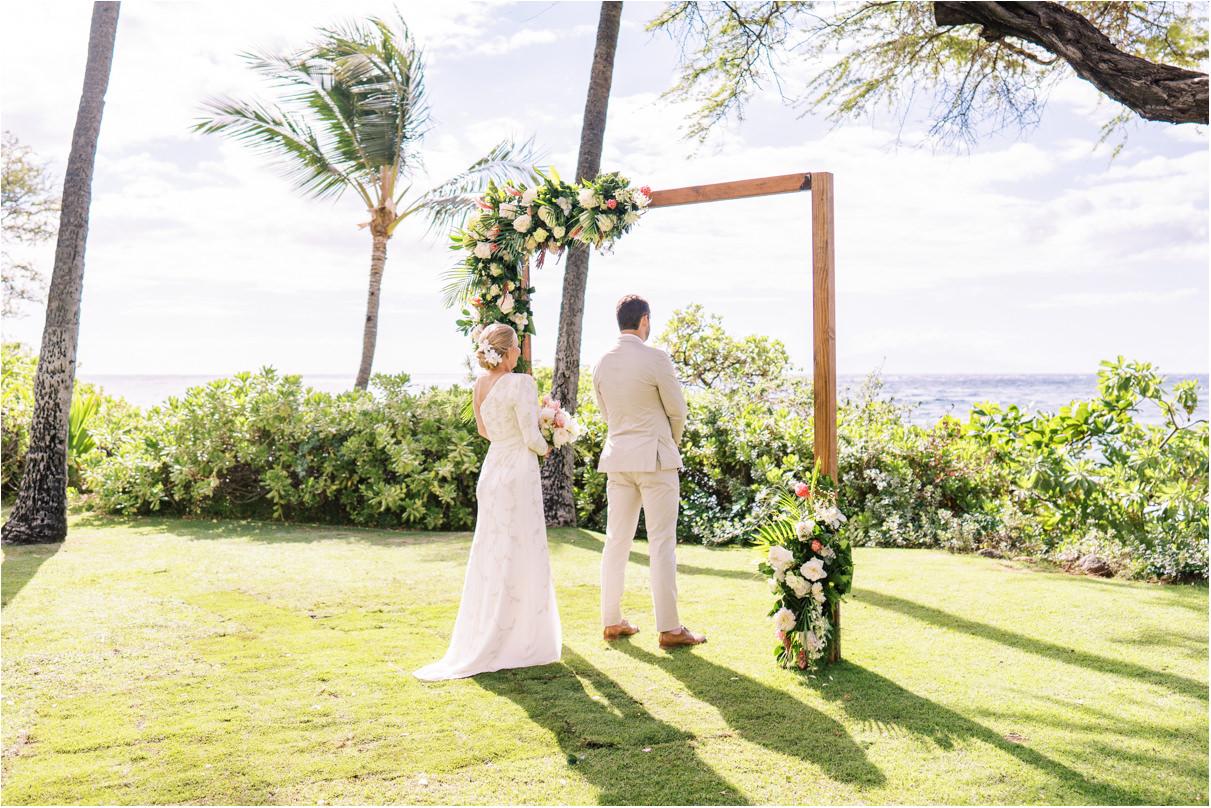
[824, 331]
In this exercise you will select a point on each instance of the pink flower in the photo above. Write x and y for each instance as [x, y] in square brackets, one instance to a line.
[477, 301]
[781, 635]
[482, 205]
[561, 418]
[646, 190]
[816, 546]
[802, 659]
[802, 489]
[513, 191]
[494, 232]
[612, 203]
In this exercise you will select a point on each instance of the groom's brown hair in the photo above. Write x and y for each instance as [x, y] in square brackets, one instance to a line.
[631, 309]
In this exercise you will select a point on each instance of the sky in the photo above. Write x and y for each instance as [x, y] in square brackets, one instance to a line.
[1025, 253]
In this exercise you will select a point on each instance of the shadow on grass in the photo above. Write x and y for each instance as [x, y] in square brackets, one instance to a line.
[202, 529]
[1084, 659]
[767, 716]
[873, 700]
[21, 564]
[632, 757]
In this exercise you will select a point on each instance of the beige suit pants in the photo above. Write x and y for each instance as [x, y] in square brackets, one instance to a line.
[659, 494]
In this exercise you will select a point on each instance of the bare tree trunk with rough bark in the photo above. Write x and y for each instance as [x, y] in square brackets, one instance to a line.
[1157, 92]
[378, 262]
[559, 498]
[40, 513]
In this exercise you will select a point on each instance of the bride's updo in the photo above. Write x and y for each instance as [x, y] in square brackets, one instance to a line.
[494, 342]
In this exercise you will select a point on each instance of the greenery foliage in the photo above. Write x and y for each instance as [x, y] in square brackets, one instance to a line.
[866, 55]
[262, 445]
[1106, 482]
[29, 200]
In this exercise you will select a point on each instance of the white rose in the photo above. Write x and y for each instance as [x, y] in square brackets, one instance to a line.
[784, 620]
[799, 586]
[496, 270]
[558, 232]
[818, 593]
[772, 583]
[540, 235]
[560, 436]
[483, 250]
[780, 558]
[814, 570]
[586, 198]
[508, 210]
[528, 196]
[522, 223]
[506, 304]
[494, 290]
[804, 528]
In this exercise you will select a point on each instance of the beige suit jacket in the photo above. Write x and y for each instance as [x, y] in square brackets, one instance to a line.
[643, 407]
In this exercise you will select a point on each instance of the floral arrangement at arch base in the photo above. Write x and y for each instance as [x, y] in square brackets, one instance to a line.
[516, 221]
[809, 567]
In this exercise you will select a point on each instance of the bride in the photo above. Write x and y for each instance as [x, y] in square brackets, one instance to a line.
[507, 617]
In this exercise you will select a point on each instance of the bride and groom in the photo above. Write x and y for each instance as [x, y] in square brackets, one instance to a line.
[508, 617]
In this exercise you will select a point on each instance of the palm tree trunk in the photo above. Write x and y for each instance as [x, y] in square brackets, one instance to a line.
[559, 499]
[40, 513]
[378, 261]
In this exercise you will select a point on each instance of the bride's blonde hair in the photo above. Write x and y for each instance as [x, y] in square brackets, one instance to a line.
[499, 338]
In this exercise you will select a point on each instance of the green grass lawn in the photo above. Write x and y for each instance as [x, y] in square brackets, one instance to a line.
[174, 661]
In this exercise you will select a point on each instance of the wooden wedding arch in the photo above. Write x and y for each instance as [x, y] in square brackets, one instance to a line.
[824, 332]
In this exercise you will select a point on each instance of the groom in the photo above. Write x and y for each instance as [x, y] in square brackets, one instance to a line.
[644, 410]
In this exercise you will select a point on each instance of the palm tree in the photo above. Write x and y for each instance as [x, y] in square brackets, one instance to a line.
[351, 117]
[40, 513]
[559, 499]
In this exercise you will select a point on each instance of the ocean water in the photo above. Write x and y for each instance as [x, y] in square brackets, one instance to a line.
[930, 396]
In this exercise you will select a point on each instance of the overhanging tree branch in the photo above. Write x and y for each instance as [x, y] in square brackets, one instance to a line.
[1156, 92]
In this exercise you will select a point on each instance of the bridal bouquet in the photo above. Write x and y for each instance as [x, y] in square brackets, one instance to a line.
[809, 567]
[557, 426]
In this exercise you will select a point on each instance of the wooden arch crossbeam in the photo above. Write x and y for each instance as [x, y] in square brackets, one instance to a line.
[824, 339]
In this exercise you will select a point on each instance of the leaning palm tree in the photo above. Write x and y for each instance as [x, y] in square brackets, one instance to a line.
[351, 116]
[40, 513]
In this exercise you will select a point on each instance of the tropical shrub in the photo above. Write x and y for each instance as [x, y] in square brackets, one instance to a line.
[264, 446]
[1100, 480]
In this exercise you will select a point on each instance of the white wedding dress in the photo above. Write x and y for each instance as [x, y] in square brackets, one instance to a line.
[508, 617]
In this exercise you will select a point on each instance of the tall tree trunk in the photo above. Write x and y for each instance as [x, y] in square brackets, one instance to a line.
[559, 500]
[40, 514]
[378, 261]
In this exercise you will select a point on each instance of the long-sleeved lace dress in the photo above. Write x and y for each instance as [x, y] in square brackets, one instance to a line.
[507, 617]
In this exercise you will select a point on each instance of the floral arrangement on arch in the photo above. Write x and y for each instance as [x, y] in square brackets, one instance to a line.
[809, 567]
[516, 221]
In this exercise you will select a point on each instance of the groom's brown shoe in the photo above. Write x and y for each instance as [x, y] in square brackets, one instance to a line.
[679, 638]
[623, 629]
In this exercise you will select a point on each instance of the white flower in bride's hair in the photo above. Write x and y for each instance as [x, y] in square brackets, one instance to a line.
[784, 620]
[522, 223]
[506, 304]
[490, 356]
[483, 250]
[528, 196]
